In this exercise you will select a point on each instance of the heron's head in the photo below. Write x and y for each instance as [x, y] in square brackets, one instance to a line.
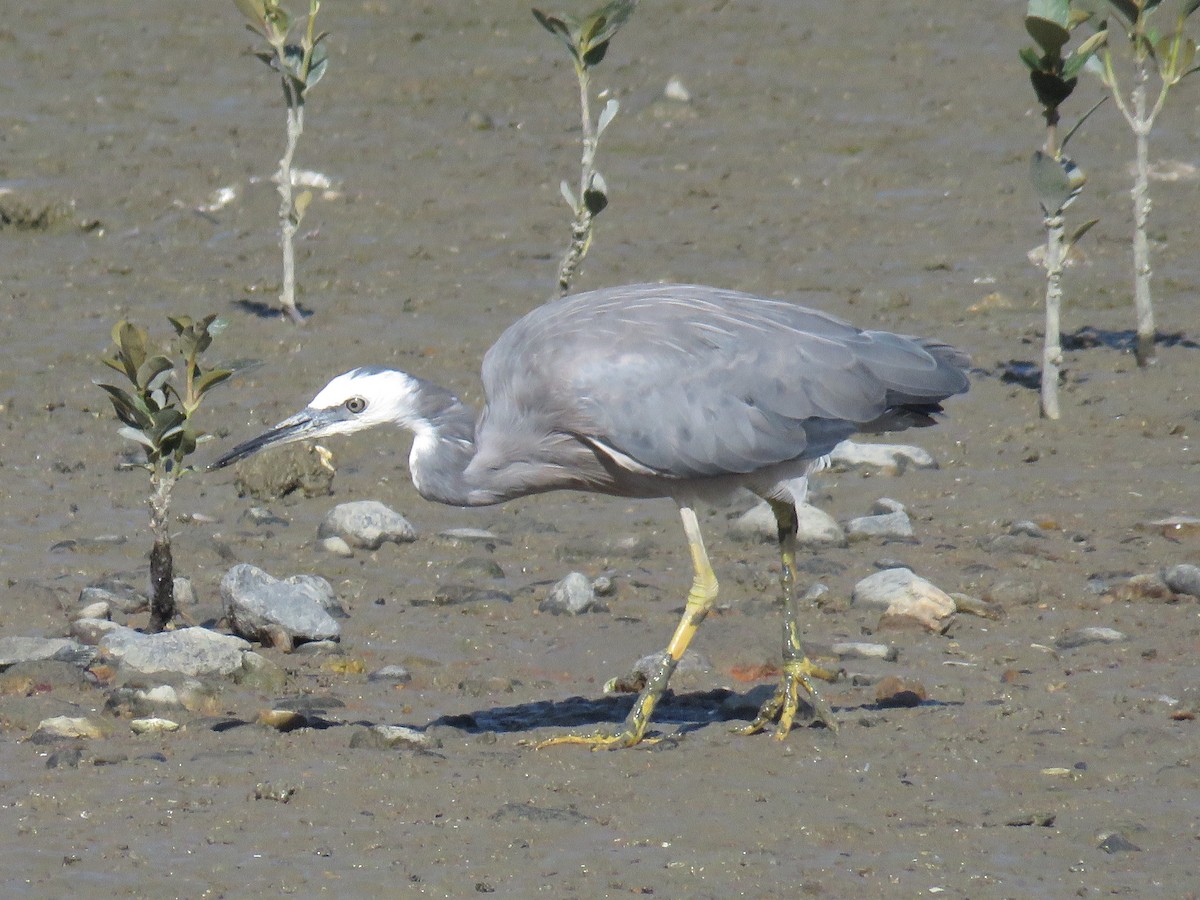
[359, 399]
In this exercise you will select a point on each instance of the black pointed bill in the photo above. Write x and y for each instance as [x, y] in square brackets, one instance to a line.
[307, 423]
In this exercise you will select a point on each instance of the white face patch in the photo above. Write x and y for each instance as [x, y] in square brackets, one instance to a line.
[390, 398]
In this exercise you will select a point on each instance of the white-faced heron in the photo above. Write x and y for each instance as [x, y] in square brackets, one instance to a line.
[655, 390]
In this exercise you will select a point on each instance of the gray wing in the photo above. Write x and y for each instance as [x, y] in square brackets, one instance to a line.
[691, 381]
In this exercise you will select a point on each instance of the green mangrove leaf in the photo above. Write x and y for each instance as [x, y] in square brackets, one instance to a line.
[1074, 128]
[152, 369]
[606, 116]
[601, 25]
[316, 64]
[568, 195]
[254, 10]
[133, 434]
[210, 380]
[1080, 232]
[1050, 36]
[300, 204]
[595, 198]
[1030, 57]
[131, 342]
[1055, 11]
[1126, 9]
[1056, 181]
[128, 409]
[1051, 90]
[180, 323]
[562, 27]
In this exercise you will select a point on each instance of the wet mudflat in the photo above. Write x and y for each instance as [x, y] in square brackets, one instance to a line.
[872, 163]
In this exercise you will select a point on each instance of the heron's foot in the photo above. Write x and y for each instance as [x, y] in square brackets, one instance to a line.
[785, 703]
[600, 740]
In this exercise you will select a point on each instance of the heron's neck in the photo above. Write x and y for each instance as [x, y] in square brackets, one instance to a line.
[443, 446]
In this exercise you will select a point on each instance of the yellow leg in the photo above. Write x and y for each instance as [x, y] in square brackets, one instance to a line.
[797, 668]
[699, 601]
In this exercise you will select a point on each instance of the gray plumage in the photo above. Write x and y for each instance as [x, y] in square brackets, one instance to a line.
[649, 390]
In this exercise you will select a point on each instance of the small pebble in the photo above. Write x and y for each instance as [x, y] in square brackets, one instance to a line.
[1085, 636]
[864, 650]
[70, 727]
[675, 90]
[394, 674]
[572, 595]
[337, 546]
[366, 525]
[604, 586]
[1183, 579]
[153, 725]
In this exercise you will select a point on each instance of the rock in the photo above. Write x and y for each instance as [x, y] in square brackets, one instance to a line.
[117, 594]
[300, 467]
[1026, 528]
[391, 737]
[393, 674]
[603, 586]
[70, 727]
[893, 459]
[815, 527]
[1143, 589]
[262, 608]
[572, 595]
[864, 650]
[677, 91]
[260, 515]
[91, 631]
[472, 536]
[98, 610]
[337, 546]
[691, 663]
[478, 565]
[189, 651]
[892, 525]
[1007, 594]
[153, 725]
[1084, 636]
[366, 525]
[905, 596]
[965, 603]
[185, 594]
[1115, 842]
[456, 594]
[901, 693]
[1183, 579]
[18, 649]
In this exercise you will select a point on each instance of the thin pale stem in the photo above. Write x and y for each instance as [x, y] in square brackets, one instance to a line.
[287, 216]
[1143, 303]
[581, 227]
[1052, 347]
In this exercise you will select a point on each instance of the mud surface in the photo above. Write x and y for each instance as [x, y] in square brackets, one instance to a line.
[869, 160]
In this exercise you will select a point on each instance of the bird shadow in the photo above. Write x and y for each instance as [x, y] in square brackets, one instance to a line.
[689, 711]
[262, 310]
[1028, 373]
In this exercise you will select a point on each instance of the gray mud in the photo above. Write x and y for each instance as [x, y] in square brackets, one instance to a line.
[868, 160]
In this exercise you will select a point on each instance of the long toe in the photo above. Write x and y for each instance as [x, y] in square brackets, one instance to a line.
[599, 740]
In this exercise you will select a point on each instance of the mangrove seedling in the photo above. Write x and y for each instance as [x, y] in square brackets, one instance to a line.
[1170, 56]
[1056, 179]
[157, 413]
[587, 41]
[300, 64]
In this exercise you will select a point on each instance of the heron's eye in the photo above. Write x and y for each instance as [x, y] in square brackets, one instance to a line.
[356, 405]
